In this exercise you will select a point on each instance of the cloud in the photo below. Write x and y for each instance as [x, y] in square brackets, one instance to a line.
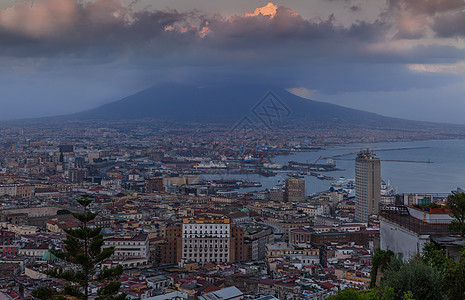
[430, 7]
[267, 10]
[451, 25]
[415, 18]
[457, 68]
[302, 92]
[112, 44]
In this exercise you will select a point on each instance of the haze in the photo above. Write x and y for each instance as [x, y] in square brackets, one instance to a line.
[401, 58]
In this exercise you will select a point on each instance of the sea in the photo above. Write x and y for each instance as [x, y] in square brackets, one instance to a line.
[445, 172]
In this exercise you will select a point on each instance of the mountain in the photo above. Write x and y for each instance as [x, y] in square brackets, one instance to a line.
[230, 104]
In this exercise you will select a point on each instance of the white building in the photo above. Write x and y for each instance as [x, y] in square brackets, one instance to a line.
[136, 247]
[206, 240]
[407, 230]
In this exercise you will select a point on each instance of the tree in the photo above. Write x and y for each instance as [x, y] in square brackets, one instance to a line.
[371, 294]
[456, 203]
[454, 278]
[424, 281]
[436, 257]
[380, 260]
[83, 251]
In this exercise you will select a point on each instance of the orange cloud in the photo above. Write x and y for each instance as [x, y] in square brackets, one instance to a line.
[267, 10]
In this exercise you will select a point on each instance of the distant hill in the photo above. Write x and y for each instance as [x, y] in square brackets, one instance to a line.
[229, 104]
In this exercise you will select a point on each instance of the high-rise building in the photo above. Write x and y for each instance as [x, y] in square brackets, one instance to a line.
[295, 190]
[367, 185]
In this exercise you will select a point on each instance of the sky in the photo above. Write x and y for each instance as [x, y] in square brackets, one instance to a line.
[401, 58]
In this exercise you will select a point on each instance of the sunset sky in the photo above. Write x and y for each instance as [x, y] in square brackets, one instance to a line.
[402, 58]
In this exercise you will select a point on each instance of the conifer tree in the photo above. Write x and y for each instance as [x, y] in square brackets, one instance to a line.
[84, 254]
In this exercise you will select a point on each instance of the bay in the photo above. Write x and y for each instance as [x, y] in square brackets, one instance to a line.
[445, 173]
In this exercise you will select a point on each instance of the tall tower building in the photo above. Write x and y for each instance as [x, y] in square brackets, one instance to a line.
[367, 185]
[295, 190]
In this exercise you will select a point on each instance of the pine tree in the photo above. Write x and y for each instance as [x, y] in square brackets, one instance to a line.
[84, 254]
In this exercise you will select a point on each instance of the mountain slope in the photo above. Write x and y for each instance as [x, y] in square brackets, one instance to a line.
[229, 104]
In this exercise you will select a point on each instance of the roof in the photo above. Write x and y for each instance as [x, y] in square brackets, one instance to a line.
[139, 237]
[269, 297]
[223, 294]
[327, 285]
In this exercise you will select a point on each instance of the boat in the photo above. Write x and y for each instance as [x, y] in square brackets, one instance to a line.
[295, 175]
[267, 173]
[246, 184]
[328, 166]
[387, 189]
[211, 165]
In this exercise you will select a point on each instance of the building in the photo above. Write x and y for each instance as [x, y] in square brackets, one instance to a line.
[229, 293]
[367, 185]
[407, 229]
[21, 190]
[256, 238]
[77, 175]
[154, 185]
[295, 190]
[211, 239]
[170, 251]
[129, 247]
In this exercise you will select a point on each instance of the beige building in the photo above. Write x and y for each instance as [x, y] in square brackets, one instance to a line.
[367, 185]
[34, 251]
[295, 190]
[21, 190]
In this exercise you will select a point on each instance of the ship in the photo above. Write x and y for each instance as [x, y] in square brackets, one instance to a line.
[295, 175]
[246, 184]
[211, 165]
[267, 173]
[387, 189]
[328, 166]
[348, 186]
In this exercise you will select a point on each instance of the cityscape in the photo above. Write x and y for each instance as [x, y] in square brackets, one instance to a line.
[167, 150]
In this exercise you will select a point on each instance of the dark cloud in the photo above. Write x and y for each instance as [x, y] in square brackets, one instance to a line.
[70, 42]
[430, 7]
[450, 25]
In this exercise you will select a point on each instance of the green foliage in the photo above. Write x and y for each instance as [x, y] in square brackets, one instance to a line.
[430, 205]
[350, 294]
[454, 279]
[380, 259]
[371, 294]
[435, 257]
[43, 293]
[83, 251]
[456, 203]
[408, 296]
[424, 281]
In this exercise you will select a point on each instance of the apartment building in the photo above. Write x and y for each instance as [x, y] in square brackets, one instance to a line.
[129, 247]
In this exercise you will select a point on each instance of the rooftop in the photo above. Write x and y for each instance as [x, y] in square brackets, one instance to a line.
[414, 224]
